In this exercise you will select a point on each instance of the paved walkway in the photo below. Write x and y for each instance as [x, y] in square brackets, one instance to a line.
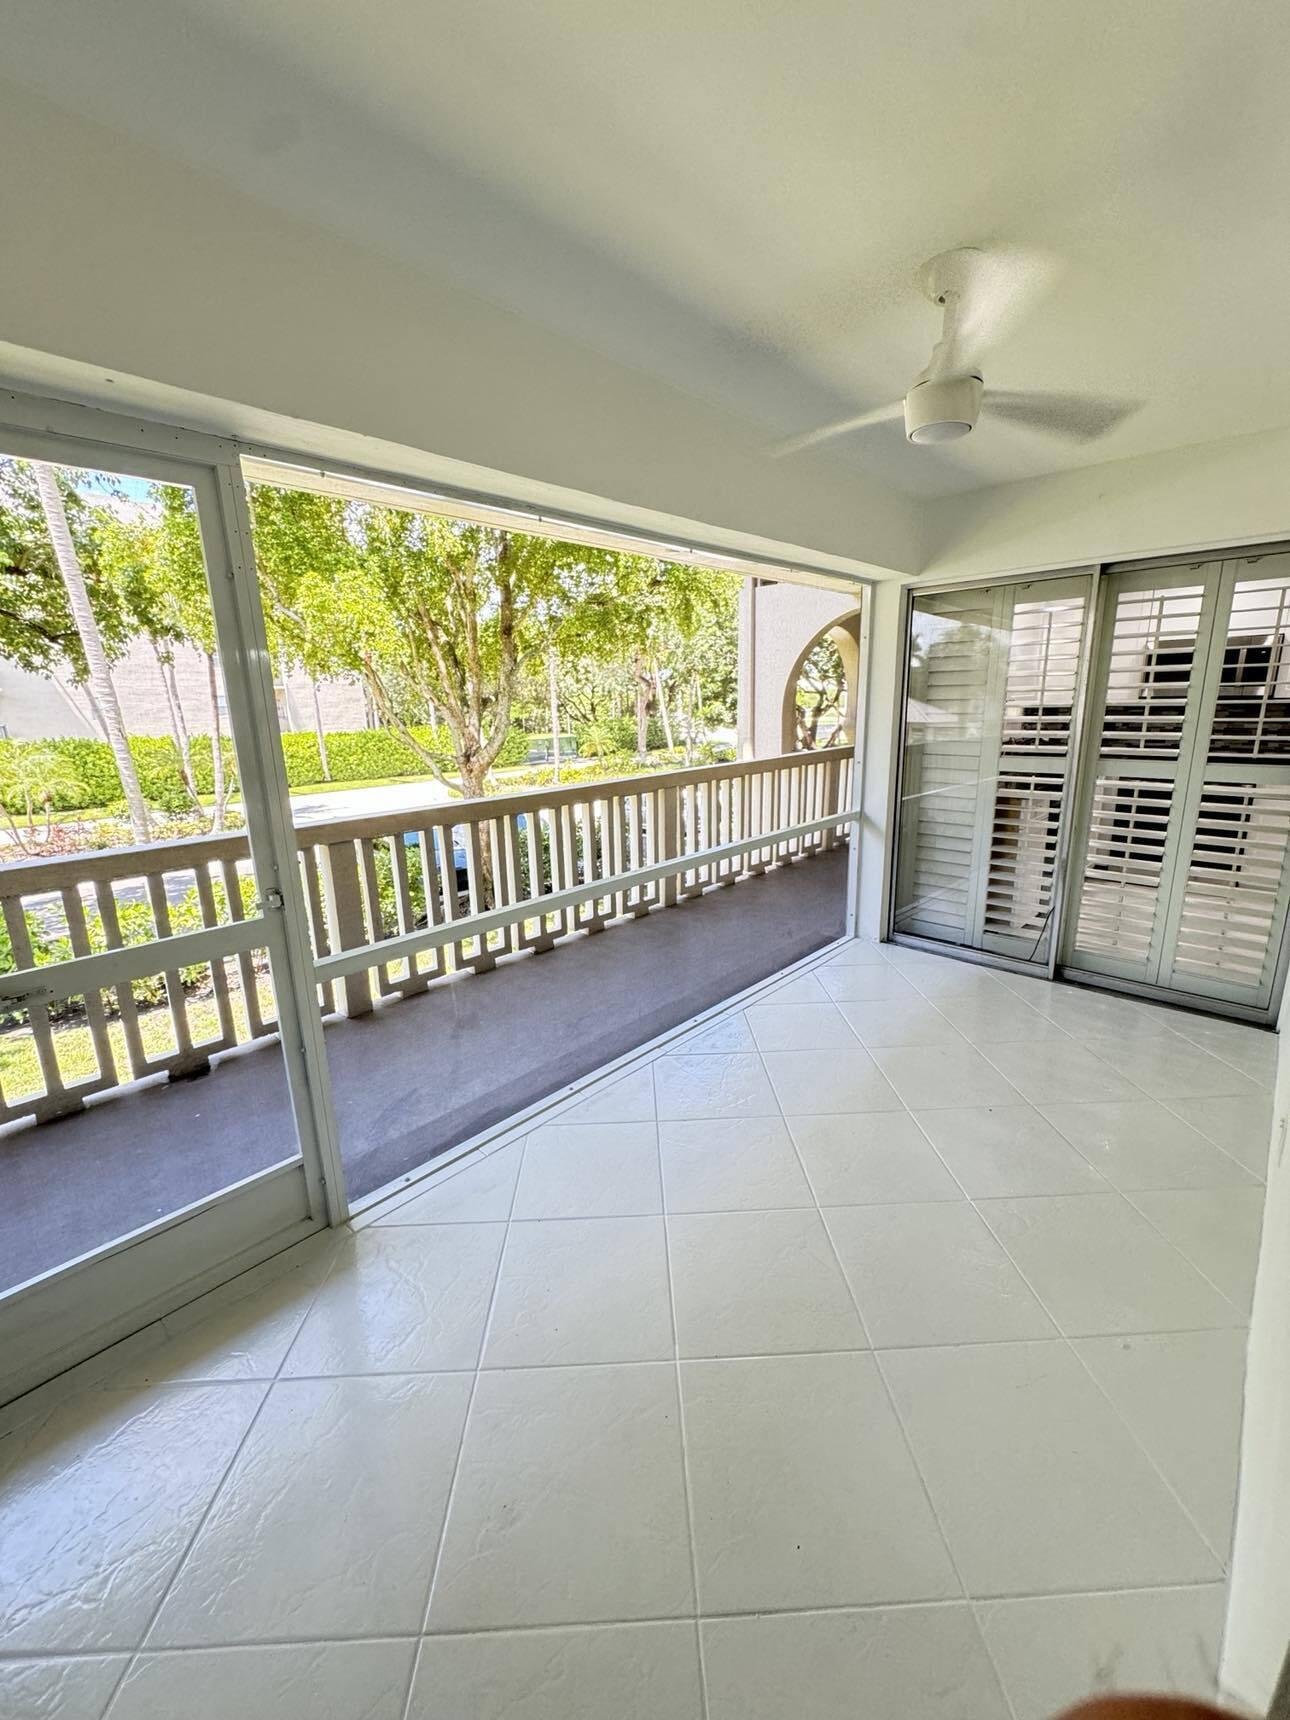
[413, 1078]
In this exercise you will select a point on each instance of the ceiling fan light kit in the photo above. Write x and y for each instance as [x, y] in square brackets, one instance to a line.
[942, 409]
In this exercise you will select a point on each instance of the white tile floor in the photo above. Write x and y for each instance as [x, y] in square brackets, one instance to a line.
[875, 1349]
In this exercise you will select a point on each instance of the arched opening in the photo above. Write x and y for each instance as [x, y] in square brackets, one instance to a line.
[820, 693]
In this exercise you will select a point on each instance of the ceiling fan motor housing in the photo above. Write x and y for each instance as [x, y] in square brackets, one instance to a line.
[942, 409]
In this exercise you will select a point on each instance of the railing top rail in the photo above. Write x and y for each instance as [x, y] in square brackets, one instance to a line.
[31, 876]
[449, 812]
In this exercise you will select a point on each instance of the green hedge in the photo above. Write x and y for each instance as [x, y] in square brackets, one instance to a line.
[355, 755]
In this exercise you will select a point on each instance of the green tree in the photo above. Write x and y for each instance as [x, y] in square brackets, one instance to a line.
[180, 569]
[439, 616]
[61, 614]
[129, 553]
[300, 540]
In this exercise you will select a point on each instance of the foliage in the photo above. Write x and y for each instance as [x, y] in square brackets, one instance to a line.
[36, 627]
[448, 616]
[820, 698]
[30, 779]
[610, 735]
[82, 772]
[365, 755]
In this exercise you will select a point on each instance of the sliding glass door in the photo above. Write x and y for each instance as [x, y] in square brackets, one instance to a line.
[1175, 818]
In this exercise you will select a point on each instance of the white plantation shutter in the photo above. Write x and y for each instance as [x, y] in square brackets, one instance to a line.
[1187, 816]
[1023, 858]
[988, 731]
[1044, 645]
[1128, 828]
[1233, 899]
[945, 715]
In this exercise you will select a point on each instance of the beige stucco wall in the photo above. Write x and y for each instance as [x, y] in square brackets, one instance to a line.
[777, 624]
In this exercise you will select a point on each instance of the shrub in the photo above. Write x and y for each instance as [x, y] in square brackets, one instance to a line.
[89, 777]
[613, 735]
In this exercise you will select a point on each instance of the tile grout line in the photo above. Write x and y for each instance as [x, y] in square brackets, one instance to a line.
[216, 1494]
[1179, 1249]
[734, 1356]
[680, 1413]
[20, 1656]
[1069, 1342]
[461, 1442]
[855, 1303]
[132, 1657]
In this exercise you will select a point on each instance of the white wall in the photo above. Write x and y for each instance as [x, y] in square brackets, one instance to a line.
[120, 258]
[1258, 1620]
[1220, 493]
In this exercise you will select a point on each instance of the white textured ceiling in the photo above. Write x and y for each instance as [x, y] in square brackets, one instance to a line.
[733, 195]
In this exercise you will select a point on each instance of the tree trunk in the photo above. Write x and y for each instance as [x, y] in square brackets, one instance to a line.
[217, 749]
[99, 676]
[185, 738]
[318, 730]
[662, 708]
[552, 665]
[178, 726]
[643, 686]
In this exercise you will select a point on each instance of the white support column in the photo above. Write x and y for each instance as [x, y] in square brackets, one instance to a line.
[881, 651]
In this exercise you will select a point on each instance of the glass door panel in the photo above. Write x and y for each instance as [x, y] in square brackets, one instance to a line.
[989, 715]
[148, 1134]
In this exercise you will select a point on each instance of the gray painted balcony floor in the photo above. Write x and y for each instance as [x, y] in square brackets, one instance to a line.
[413, 1078]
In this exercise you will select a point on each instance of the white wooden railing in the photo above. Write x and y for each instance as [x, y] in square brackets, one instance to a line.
[394, 902]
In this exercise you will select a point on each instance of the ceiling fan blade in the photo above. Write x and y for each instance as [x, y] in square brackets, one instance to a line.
[879, 415]
[996, 291]
[1076, 417]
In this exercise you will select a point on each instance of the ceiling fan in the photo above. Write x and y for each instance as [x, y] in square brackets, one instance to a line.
[981, 293]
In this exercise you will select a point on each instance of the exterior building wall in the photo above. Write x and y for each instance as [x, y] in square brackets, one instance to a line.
[778, 623]
[34, 707]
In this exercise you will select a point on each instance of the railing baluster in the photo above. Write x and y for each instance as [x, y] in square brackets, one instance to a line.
[219, 975]
[57, 1100]
[127, 1009]
[186, 1058]
[436, 907]
[255, 1020]
[478, 868]
[345, 928]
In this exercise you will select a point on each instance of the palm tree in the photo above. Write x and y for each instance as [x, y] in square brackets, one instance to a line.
[34, 777]
[101, 688]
